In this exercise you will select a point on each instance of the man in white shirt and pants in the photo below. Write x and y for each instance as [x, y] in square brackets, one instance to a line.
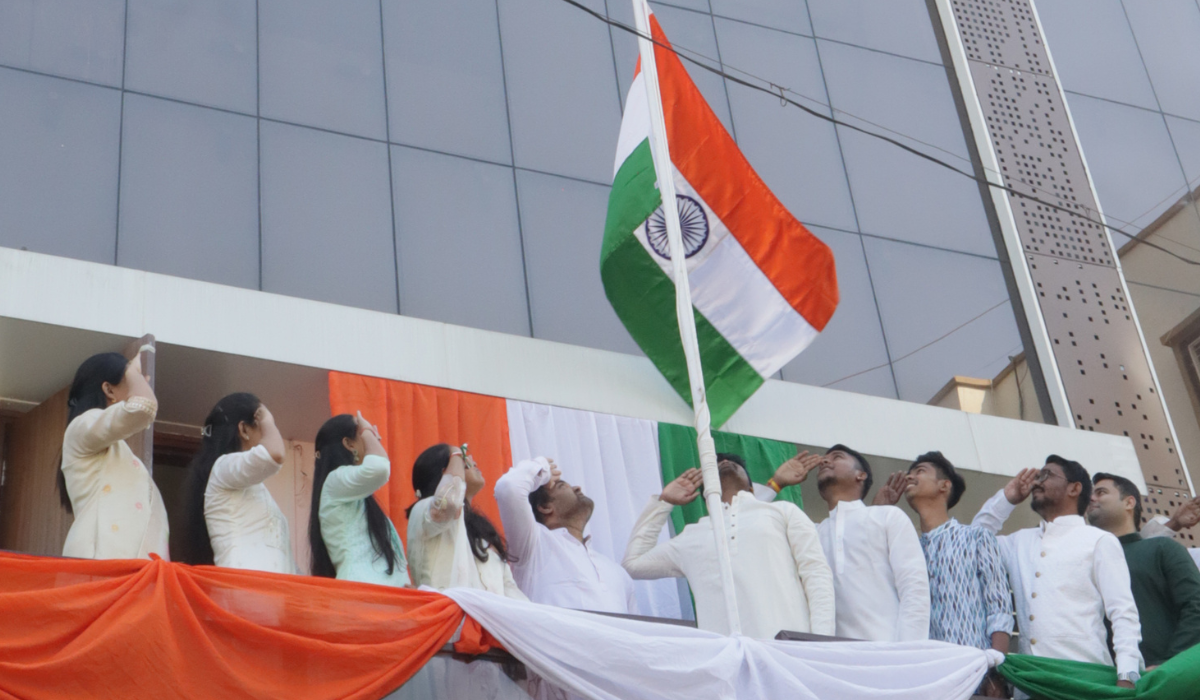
[544, 518]
[780, 576]
[879, 570]
[1066, 575]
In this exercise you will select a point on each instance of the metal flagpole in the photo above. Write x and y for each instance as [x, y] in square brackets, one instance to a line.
[664, 171]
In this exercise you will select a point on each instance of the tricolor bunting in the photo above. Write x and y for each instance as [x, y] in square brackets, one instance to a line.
[763, 286]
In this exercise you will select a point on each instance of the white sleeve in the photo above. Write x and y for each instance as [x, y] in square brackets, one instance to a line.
[646, 557]
[911, 574]
[355, 482]
[1112, 579]
[1157, 528]
[993, 513]
[521, 529]
[814, 571]
[241, 470]
[93, 431]
[764, 493]
[444, 510]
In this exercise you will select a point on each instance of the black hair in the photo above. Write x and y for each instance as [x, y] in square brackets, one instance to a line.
[736, 459]
[538, 498]
[427, 472]
[863, 466]
[1126, 488]
[220, 436]
[332, 454]
[947, 471]
[1075, 473]
[87, 392]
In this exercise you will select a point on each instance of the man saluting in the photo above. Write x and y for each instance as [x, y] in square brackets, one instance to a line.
[780, 574]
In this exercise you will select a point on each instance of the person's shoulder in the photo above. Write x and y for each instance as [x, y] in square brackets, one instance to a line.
[84, 421]
[1099, 537]
[888, 513]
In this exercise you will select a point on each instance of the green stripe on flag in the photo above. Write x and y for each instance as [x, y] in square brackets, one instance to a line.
[1057, 679]
[644, 297]
[678, 452]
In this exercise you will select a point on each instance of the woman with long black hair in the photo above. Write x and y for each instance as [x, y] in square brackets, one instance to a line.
[350, 536]
[230, 518]
[119, 513]
[449, 543]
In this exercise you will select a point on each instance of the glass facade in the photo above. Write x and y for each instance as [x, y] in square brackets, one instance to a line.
[451, 160]
[1130, 70]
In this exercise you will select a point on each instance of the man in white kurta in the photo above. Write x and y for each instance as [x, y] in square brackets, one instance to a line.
[555, 564]
[1066, 575]
[879, 570]
[780, 575]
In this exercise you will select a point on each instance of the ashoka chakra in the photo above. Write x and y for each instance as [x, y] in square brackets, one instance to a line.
[692, 222]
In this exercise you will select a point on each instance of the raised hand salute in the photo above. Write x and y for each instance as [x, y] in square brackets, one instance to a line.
[795, 470]
[683, 489]
[1019, 488]
[892, 490]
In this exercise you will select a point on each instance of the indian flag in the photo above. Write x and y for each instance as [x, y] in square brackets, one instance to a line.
[763, 286]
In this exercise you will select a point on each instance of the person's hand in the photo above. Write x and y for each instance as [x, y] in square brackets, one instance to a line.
[892, 490]
[1151, 668]
[364, 427]
[1186, 515]
[796, 469]
[1126, 684]
[1018, 488]
[555, 474]
[263, 416]
[684, 489]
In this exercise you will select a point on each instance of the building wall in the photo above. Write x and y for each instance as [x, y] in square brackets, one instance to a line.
[1130, 70]
[1165, 293]
[451, 160]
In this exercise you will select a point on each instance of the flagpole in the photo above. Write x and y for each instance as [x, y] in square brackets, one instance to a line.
[664, 171]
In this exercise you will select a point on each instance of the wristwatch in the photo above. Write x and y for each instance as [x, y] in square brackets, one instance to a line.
[1131, 676]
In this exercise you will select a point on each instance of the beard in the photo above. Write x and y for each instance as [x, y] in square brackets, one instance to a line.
[1102, 519]
[1037, 501]
[583, 506]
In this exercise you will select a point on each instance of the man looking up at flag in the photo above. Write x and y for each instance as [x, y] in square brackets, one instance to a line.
[1066, 576]
[1163, 577]
[970, 603]
[781, 579]
[544, 518]
[879, 571]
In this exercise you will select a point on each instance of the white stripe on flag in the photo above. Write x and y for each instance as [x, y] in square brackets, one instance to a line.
[635, 124]
[736, 297]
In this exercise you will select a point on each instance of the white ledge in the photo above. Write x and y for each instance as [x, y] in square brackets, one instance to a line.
[131, 303]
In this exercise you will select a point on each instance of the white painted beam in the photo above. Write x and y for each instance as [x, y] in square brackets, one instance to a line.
[130, 303]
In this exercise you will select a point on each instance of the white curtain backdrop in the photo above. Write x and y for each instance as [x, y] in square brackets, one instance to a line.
[615, 460]
[614, 659]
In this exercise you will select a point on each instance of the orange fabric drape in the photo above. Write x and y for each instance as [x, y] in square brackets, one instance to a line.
[73, 628]
[412, 417]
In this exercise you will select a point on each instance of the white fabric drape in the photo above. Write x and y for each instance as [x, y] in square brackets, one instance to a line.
[615, 460]
[616, 659]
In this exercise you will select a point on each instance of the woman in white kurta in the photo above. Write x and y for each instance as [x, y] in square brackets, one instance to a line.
[231, 518]
[450, 545]
[351, 537]
[119, 513]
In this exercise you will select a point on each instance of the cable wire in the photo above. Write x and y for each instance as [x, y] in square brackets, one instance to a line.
[781, 95]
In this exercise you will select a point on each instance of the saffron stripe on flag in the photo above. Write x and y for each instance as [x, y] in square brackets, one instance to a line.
[799, 265]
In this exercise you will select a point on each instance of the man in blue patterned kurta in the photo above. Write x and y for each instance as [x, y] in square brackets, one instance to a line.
[970, 602]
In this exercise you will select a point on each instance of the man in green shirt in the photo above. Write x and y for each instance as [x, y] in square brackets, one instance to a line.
[1165, 581]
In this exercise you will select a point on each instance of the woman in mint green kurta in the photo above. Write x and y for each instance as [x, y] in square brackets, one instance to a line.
[351, 538]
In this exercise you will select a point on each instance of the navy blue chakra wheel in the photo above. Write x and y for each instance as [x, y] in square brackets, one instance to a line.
[693, 222]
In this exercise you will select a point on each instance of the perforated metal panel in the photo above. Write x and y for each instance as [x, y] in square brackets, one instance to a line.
[1014, 101]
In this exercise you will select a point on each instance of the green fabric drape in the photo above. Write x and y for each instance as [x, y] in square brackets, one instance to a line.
[678, 453]
[1056, 679]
